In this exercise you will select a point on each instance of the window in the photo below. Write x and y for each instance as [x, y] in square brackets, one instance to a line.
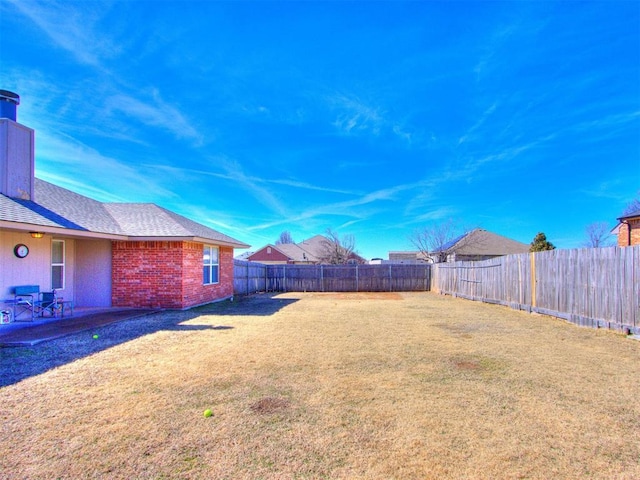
[211, 264]
[57, 264]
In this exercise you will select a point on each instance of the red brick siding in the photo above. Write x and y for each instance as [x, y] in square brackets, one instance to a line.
[263, 255]
[166, 275]
[623, 233]
[195, 292]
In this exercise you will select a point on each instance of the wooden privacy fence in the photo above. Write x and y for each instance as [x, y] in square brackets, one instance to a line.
[249, 277]
[253, 277]
[597, 287]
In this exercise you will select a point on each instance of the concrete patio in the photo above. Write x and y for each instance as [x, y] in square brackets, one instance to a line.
[25, 333]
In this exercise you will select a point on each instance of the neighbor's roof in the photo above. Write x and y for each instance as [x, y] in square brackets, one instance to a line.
[58, 208]
[630, 215]
[314, 246]
[295, 253]
[483, 242]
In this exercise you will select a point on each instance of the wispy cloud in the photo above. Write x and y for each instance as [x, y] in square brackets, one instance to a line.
[486, 115]
[354, 116]
[154, 112]
[354, 208]
[60, 157]
[357, 117]
[70, 27]
[231, 175]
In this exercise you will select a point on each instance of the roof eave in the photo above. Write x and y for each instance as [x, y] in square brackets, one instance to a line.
[628, 217]
[70, 232]
[212, 241]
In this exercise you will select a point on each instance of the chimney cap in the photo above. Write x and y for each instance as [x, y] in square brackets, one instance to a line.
[7, 96]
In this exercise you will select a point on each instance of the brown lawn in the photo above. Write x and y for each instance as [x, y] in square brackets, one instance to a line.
[336, 386]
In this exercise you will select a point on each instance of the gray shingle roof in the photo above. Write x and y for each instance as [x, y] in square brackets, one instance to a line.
[483, 242]
[296, 253]
[630, 215]
[58, 207]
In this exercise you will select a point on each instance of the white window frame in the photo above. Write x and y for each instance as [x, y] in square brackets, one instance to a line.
[59, 264]
[211, 264]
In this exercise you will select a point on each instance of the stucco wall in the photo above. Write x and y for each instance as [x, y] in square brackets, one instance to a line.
[93, 273]
[35, 268]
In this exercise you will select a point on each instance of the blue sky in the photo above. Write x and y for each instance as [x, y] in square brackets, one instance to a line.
[373, 119]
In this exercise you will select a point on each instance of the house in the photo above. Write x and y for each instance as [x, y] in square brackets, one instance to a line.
[628, 229]
[475, 245]
[479, 244]
[307, 252]
[408, 257]
[283, 253]
[99, 254]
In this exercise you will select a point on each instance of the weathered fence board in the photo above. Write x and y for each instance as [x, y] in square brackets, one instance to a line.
[249, 277]
[252, 277]
[597, 287]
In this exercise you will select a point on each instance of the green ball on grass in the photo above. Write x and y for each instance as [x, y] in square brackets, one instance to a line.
[95, 337]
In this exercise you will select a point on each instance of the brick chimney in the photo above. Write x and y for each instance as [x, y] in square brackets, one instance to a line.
[16, 151]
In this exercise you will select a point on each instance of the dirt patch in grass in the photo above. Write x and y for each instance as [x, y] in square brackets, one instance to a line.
[360, 295]
[302, 386]
[270, 405]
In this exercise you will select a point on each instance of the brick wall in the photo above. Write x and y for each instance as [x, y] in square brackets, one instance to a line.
[623, 233]
[268, 254]
[166, 275]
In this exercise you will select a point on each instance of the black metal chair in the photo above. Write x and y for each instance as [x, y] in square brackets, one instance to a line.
[48, 303]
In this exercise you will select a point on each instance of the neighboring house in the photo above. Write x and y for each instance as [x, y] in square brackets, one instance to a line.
[100, 254]
[307, 252]
[628, 229]
[409, 257]
[283, 253]
[243, 256]
[475, 245]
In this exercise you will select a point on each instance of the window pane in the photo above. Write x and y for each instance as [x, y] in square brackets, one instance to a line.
[205, 274]
[214, 274]
[57, 251]
[57, 277]
[214, 255]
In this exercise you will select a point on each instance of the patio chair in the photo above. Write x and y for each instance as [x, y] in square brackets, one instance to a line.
[48, 303]
[25, 299]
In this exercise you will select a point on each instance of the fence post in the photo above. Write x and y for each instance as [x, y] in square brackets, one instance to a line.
[321, 278]
[532, 257]
[390, 279]
[357, 285]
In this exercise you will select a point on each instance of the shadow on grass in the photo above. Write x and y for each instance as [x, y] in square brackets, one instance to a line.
[261, 304]
[19, 363]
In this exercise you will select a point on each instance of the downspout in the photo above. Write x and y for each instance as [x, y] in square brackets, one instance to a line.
[628, 224]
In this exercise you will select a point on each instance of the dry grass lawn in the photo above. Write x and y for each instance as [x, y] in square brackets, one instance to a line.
[336, 386]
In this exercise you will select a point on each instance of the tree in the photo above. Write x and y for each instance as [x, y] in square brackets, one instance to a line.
[632, 207]
[285, 237]
[541, 244]
[598, 234]
[336, 250]
[438, 241]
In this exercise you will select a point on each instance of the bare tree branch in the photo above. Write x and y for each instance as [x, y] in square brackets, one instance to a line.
[598, 234]
[285, 237]
[632, 207]
[336, 250]
[437, 241]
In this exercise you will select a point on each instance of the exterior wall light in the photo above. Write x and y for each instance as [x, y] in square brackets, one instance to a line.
[36, 234]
